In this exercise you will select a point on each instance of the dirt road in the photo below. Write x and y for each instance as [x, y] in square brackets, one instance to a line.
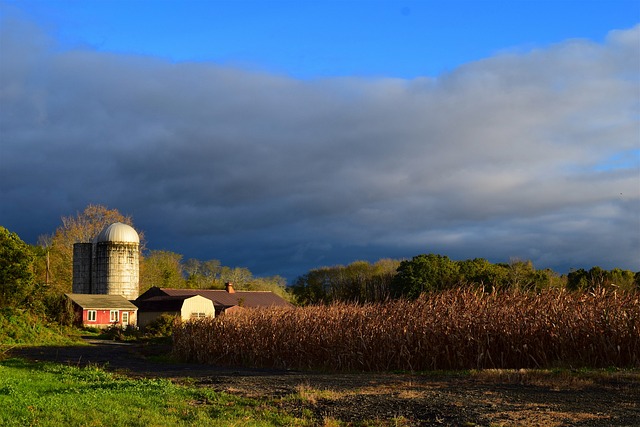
[505, 398]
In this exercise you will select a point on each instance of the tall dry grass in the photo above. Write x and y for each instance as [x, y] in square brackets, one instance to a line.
[457, 329]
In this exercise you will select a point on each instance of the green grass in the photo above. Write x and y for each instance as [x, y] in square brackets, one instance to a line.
[47, 394]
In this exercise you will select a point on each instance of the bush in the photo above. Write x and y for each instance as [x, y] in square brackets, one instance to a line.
[162, 327]
[19, 326]
[119, 333]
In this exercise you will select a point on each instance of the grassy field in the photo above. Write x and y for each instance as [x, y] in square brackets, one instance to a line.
[46, 394]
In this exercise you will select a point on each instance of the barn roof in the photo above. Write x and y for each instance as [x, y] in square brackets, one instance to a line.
[162, 303]
[221, 298]
[101, 302]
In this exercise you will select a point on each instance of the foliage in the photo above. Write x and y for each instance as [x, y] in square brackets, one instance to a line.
[202, 274]
[46, 394]
[162, 269]
[120, 333]
[19, 326]
[429, 273]
[425, 273]
[57, 307]
[448, 330]
[16, 271]
[162, 326]
[358, 281]
[597, 277]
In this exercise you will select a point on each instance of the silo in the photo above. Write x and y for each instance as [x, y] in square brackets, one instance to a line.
[82, 255]
[116, 267]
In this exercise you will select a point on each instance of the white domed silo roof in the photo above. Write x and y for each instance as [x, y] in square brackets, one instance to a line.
[118, 232]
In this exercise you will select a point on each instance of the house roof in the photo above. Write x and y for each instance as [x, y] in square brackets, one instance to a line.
[162, 303]
[101, 302]
[221, 298]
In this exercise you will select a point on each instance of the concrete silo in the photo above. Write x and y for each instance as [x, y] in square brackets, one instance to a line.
[110, 265]
[116, 263]
[82, 274]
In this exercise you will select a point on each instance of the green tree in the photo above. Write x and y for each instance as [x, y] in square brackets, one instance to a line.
[275, 284]
[425, 273]
[203, 274]
[162, 269]
[577, 279]
[312, 288]
[239, 276]
[359, 281]
[16, 270]
[378, 287]
[521, 275]
[480, 272]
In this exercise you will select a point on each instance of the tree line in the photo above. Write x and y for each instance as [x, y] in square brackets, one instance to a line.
[386, 279]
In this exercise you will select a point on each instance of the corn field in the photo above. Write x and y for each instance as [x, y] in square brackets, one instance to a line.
[457, 329]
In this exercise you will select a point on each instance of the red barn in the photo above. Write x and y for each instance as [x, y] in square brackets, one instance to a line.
[102, 311]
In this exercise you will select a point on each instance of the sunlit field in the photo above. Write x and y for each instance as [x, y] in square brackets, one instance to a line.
[452, 330]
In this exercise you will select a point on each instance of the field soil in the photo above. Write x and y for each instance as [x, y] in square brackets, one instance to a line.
[486, 398]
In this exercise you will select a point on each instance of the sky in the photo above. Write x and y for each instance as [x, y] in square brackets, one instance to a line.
[285, 136]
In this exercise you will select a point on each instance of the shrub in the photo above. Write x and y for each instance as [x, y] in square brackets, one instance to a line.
[162, 326]
[120, 333]
[19, 326]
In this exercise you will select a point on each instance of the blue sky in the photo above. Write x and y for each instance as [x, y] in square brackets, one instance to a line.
[284, 136]
[310, 39]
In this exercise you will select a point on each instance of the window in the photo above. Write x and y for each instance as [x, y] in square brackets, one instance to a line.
[113, 316]
[198, 315]
[91, 315]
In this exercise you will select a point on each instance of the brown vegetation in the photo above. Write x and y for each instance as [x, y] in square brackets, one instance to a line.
[457, 329]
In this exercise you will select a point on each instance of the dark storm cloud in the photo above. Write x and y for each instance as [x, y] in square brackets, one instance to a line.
[509, 156]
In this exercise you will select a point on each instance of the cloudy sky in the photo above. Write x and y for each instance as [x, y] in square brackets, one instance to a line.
[284, 136]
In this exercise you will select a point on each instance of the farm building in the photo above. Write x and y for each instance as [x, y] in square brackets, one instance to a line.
[224, 301]
[185, 306]
[110, 264]
[102, 311]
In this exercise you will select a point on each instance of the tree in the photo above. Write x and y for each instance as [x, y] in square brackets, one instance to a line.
[311, 288]
[597, 277]
[577, 280]
[380, 282]
[162, 269]
[202, 274]
[482, 273]
[239, 276]
[16, 270]
[83, 227]
[425, 273]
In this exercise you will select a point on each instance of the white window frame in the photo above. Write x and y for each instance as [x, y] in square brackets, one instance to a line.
[114, 316]
[199, 315]
[92, 315]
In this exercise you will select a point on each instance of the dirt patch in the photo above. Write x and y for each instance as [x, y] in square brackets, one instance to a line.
[501, 398]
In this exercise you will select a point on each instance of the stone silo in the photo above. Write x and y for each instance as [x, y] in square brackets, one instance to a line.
[115, 269]
[82, 260]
